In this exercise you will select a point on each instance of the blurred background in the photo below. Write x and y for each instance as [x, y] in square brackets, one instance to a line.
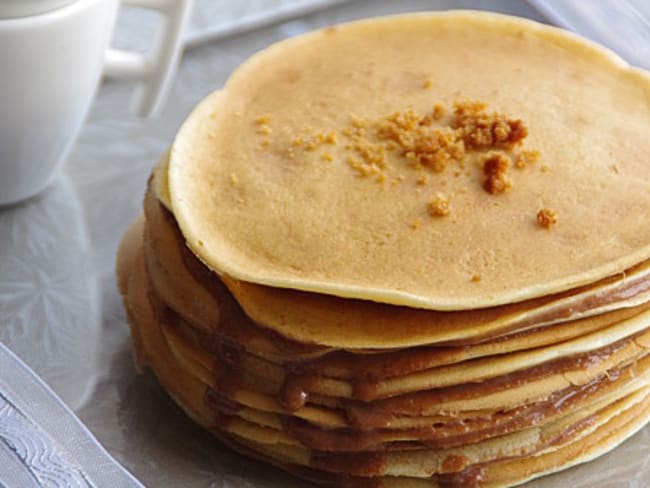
[623, 25]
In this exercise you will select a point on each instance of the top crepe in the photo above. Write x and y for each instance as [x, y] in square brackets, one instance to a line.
[291, 177]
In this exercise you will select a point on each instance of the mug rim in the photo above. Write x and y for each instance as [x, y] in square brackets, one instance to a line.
[48, 16]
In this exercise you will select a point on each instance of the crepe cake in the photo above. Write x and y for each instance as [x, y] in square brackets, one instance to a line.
[569, 421]
[373, 271]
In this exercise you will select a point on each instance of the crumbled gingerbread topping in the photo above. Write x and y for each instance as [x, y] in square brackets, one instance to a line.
[419, 142]
[372, 154]
[497, 183]
[359, 122]
[546, 217]
[481, 129]
[438, 111]
[329, 138]
[377, 148]
[263, 119]
[370, 158]
[439, 205]
[524, 158]
[495, 167]
[423, 141]
[495, 164]
[426, 143]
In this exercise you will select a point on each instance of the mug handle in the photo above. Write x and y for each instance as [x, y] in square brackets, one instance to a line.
[154, 70]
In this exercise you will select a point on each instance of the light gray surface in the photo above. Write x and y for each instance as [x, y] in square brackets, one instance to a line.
[622, 25]
[60, 309]
[42, 443]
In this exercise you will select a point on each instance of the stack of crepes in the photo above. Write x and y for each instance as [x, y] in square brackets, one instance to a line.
[409, 251]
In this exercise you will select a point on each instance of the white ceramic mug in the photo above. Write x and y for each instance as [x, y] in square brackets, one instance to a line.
[52, 56]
